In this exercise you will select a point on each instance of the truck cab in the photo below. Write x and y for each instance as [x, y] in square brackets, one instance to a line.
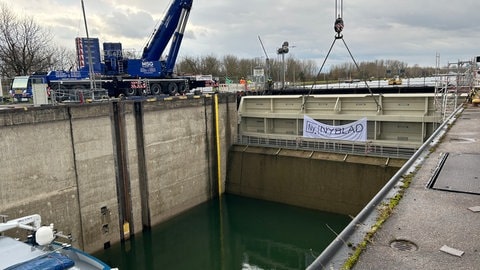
[21, 89]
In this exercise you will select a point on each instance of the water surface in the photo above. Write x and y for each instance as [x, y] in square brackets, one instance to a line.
[232, 233]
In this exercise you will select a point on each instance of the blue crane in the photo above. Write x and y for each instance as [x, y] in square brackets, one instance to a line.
[172, 28]
[118, 75]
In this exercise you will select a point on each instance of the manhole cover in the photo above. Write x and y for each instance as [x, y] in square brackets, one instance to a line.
[403, 245]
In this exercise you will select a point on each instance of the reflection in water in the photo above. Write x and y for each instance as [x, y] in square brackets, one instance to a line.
[234, 233]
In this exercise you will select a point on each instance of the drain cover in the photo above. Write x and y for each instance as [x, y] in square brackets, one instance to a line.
[403, 245]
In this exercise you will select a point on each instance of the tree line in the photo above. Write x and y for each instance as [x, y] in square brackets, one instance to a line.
[232, 67]
[26, 48]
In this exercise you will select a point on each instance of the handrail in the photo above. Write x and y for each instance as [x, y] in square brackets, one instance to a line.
[348, 147]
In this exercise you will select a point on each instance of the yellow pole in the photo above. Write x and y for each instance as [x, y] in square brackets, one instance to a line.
[219, 178]
[217, 131]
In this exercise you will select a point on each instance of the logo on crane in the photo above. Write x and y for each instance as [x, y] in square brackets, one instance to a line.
[148, 64]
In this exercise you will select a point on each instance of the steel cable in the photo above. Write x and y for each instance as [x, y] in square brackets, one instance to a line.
[379, 107]
[339, 16]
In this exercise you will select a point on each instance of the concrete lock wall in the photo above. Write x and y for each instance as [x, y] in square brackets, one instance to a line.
[92, 142]
[92, 169]
[179, 166]
[37, 171]
[328, 182]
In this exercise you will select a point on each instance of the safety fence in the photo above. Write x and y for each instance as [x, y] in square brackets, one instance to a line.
[78, 95]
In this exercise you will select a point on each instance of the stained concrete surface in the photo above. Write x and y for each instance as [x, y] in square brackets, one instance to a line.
[425, 220]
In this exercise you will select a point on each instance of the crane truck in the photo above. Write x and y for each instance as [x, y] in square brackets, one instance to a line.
[118, 75]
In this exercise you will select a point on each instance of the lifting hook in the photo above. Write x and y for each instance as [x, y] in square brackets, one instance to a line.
[338, 26]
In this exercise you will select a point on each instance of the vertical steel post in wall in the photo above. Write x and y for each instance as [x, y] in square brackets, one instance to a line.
[142, 167]
[123, 179]
[80, 238]
[217, 138]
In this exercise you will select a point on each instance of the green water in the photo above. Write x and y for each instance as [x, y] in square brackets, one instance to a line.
[234, 233]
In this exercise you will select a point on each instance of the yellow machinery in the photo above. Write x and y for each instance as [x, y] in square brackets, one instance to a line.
[395, 81]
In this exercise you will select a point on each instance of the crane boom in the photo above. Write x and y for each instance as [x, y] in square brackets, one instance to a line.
[171, 28]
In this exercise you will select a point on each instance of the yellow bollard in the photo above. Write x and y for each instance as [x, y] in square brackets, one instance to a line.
[126, 230]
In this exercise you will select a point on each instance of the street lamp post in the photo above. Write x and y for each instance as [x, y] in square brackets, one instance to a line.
[283, 50]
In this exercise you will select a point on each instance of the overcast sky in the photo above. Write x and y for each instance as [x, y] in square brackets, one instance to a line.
[412, 31]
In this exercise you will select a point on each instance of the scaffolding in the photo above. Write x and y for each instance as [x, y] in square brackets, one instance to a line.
[452, 83]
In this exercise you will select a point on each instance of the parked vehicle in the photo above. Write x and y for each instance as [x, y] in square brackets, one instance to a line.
[21, 89]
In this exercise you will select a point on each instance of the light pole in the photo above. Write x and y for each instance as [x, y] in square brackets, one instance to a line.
[283, 50]
[91, 75]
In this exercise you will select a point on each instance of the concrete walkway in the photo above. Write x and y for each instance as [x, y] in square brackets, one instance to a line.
[426, 220]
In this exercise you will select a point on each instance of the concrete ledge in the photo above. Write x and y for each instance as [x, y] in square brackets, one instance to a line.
[31, 115]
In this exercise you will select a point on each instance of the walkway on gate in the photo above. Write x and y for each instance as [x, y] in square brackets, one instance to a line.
[340, 147]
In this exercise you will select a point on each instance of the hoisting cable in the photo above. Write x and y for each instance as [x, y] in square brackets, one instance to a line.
[337, 9]
[318, 74]
[379, 107]
[338, 27]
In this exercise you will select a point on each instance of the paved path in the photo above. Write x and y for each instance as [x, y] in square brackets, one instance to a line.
[429, 219]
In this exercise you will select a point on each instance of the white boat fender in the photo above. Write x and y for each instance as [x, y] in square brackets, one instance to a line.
[44, 235]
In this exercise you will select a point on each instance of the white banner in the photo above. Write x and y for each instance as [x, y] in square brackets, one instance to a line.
[356, 131]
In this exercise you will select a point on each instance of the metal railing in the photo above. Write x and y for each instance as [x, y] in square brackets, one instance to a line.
[78, 95]
[342, 147]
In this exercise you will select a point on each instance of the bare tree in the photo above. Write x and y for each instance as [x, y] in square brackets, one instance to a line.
[211, 65]
[24, 46]
[231, 67]
[188, 65]
[63, 59]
